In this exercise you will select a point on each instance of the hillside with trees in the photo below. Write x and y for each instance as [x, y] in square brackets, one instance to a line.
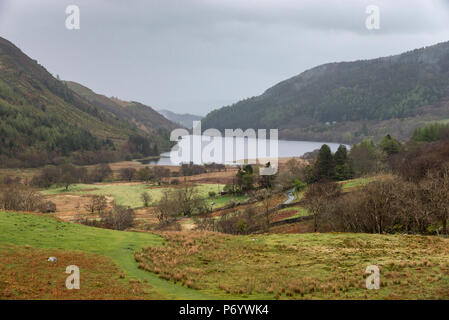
[43, 121]
[350, 101]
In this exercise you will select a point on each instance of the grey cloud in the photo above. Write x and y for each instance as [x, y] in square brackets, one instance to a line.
[196, 55]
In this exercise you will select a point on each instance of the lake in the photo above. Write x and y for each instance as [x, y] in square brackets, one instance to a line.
[186, 143]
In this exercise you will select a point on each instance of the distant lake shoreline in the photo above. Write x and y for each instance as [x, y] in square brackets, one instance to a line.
[286, 149]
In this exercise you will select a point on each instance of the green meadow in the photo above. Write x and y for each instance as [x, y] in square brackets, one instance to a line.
[42, 232]
[126, 194]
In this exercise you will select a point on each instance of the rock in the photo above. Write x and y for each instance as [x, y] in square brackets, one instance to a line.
[52, 259]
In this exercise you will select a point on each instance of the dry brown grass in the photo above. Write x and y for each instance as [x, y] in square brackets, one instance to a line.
[330, 266]
[25, 273]
[69, 206]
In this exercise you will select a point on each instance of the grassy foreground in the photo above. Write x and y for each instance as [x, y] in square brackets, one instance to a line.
[25, 273]
[204, 265]
[303, 266]
[47, 233]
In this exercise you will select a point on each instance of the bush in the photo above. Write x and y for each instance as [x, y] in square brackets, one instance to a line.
[146, 198]
[183, 201]
[18, 197]
[47, 207]
[119, 218]
[239, 222]
[144, 174]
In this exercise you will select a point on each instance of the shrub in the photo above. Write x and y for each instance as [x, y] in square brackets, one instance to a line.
[144, 174]
[119, 218]
[18, 197]
[146, 198]
[47, 207]
[238, 222]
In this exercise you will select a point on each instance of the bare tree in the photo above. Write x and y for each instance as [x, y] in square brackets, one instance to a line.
[436, 190]
[267, 203]
[100, 172]
[127, 173]
[318, 196]
[97, 203]
[166, 208]
[189, 200]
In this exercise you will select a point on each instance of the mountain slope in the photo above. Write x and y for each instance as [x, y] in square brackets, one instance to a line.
[347, 101]
[42, 121]
[185, 120]
[143, 116]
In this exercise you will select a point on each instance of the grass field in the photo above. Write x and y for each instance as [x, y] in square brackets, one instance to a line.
[295, 212]
[354, 183]
[204, 265]
[221, 201]
[26, 273]
[48, 233]
[127, 194]
[310, 266]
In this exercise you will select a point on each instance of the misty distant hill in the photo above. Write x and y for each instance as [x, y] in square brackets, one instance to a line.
[349, 101]
[185, 120]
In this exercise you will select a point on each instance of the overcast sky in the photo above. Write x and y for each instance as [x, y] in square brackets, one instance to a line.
[197, 55]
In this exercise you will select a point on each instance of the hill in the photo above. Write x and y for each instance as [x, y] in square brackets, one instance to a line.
[143, 116]
[44, 121]
[348, 101]
[185, 120]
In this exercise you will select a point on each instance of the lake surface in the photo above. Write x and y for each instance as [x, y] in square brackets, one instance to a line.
[189, 147]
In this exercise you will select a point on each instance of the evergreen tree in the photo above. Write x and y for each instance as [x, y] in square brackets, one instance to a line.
[343, 168]
[389, 145]
[245, 178]
[325, 167]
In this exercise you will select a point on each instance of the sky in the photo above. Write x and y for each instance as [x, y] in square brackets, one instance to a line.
[193, 56]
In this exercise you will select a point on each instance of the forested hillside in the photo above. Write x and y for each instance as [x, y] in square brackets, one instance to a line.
[349, 101]
[42, 121]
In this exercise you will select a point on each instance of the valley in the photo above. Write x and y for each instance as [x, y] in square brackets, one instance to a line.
[86, 181]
